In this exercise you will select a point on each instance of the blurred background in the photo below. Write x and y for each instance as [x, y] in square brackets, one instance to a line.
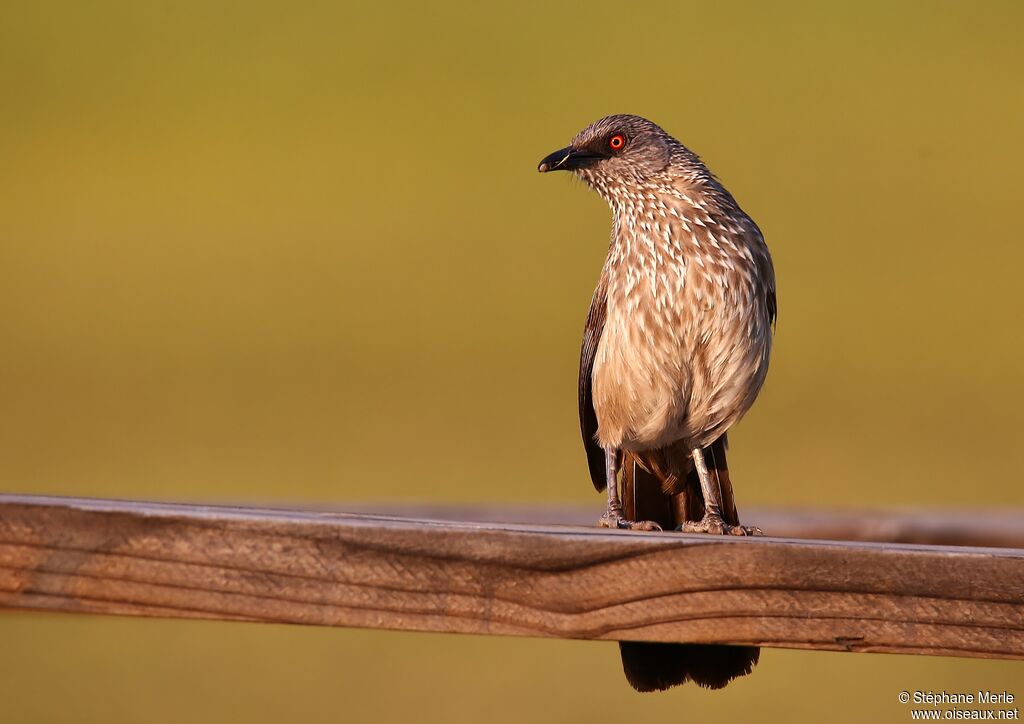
[299, 252]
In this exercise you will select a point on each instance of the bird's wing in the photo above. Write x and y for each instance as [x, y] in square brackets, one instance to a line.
[588, 418]
[767, 270]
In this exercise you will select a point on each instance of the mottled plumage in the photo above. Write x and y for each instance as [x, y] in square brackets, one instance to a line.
[675, 351]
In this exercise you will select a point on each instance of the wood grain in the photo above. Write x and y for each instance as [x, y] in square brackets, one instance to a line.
[379, 571]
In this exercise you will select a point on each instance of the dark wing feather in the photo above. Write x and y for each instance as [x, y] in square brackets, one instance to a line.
[588, 418]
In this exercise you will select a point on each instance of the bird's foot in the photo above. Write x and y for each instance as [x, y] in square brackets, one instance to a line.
[714, 525]
[615, 521]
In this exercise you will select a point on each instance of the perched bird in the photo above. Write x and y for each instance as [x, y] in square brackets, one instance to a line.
[675, 349]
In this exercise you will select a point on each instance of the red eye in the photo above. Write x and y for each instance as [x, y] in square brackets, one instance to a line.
[617, 141]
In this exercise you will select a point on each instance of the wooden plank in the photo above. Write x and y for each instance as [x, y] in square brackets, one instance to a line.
[146, 559]
[995, 528]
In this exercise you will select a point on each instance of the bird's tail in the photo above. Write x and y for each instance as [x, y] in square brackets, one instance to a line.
[663, 487]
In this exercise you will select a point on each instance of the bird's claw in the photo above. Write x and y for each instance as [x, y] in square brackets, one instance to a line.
[617, 522]
[714, 525]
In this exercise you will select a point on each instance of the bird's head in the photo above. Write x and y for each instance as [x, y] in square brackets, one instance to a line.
[615, 151]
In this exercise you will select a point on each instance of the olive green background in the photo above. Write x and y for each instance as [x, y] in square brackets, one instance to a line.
[299, 252]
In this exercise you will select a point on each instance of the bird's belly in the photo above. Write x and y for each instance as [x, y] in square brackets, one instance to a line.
[653, 388]
[640, 388]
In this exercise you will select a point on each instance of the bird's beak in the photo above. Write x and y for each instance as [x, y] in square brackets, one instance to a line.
[567, 159]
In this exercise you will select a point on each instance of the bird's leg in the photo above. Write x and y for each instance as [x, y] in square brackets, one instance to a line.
[613, 517]
[712, 521]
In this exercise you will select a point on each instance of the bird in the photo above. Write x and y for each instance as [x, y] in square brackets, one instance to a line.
[675, 350]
